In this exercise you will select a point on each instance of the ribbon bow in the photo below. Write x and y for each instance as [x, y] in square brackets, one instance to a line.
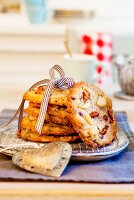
[62, 83]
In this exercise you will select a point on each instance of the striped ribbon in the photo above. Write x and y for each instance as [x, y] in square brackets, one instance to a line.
[62, 83]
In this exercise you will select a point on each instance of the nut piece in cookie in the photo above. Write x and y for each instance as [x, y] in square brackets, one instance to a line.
[95, 124]
[101, 102]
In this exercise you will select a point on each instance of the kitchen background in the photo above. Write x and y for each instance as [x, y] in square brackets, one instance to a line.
[32, 39]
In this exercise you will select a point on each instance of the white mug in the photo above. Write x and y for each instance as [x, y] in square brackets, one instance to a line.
[81, 67]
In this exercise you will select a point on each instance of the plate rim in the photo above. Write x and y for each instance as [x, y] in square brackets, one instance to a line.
[111, 152]
[94, 155]
[101, 154]
[121, 94]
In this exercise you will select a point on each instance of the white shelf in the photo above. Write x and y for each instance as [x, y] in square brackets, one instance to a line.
[20, 25]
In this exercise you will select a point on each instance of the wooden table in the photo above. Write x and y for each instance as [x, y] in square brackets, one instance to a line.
[66, 191]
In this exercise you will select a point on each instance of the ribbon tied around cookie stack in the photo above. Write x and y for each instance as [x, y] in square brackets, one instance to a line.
[62, 83]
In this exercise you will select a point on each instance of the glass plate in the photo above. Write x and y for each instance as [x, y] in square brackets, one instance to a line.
[10, 144]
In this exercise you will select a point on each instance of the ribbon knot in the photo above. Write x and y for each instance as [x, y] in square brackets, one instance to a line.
[61, 83]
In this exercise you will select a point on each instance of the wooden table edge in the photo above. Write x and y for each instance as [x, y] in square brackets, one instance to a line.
[33, 189]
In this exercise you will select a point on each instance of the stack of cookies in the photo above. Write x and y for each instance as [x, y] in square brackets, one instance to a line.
[82, 112]
[57, 126]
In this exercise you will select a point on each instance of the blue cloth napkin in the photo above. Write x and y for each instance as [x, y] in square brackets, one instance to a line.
[118, 169]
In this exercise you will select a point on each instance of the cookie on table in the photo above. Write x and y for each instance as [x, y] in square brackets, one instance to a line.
[35, 137]
[48, 128]
[55, 114]
[58, 96]
[91, 115]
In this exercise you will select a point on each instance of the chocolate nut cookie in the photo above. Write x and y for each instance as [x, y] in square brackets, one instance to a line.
[91, 115]
[48, 128]
[35, 137]
[58, 96]
[55, 114]
[36, 105]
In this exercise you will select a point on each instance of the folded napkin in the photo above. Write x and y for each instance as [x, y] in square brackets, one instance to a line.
[118, 169]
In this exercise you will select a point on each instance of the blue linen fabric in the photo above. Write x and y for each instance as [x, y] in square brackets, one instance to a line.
[118, 169]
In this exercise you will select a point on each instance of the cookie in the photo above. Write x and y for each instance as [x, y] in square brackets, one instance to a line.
[91, 115]
[58, 96]
[56, 111]
[54, 114]
[35, 137]
[48, 128]
[36, 105]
